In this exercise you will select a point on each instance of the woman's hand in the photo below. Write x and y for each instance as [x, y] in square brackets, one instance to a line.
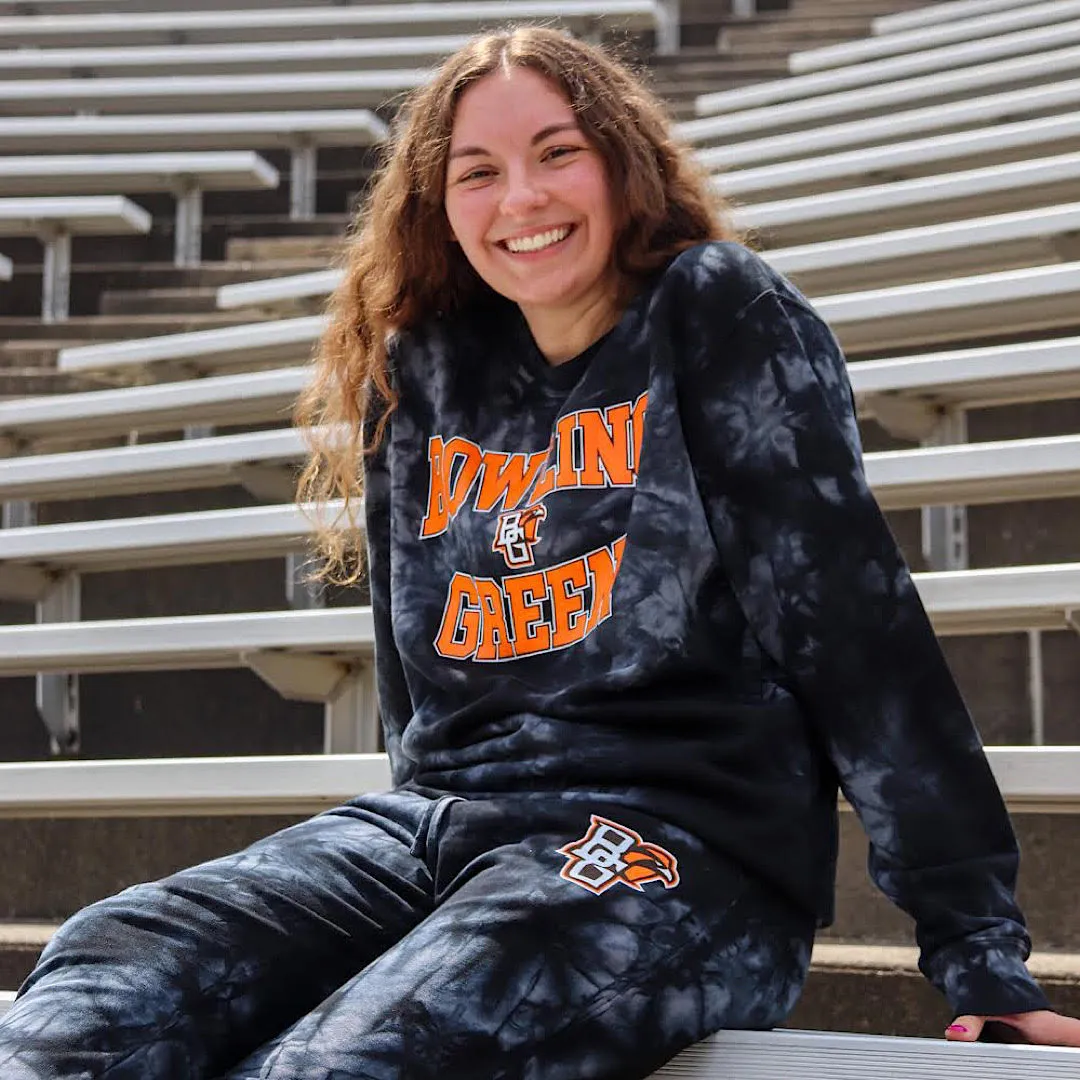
[1042, 1027]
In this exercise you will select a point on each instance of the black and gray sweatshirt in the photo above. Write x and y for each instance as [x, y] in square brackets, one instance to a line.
[656, 572]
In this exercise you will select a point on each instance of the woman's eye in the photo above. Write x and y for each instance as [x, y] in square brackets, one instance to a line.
[560, 151]
[475, 174]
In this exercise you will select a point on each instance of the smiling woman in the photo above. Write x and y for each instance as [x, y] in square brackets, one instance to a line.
[636, 614]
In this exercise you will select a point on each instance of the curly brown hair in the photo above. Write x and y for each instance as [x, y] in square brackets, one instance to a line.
[401, 265]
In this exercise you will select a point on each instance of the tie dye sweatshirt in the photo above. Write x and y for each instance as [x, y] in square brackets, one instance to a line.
[656, 572]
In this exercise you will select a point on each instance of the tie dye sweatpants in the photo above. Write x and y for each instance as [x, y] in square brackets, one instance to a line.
[405, 936]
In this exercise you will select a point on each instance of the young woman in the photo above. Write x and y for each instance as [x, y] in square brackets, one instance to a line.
[636, 613]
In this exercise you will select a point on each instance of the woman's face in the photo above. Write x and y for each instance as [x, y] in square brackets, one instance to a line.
[527, 196]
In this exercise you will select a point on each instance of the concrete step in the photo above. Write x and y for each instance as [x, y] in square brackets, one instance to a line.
[1048, 884]
[748, 44]
[828, 9]
[858, 988]
[879, 990]
[93, 328]
[20, 945]
[182, 301]
[316, 247]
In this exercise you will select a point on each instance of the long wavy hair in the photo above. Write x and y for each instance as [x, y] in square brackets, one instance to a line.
[401, 265]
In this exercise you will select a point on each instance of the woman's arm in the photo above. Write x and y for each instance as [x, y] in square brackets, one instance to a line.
[770, 424]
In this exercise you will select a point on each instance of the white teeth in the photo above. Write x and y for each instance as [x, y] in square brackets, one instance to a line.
[539, 241]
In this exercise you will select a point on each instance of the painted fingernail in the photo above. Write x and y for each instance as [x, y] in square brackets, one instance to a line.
[958, 1027]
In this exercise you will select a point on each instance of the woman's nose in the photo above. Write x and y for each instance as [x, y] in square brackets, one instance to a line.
[522, 195]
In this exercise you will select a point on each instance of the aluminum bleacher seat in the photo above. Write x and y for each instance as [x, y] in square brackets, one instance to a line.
[64, 421]
[1034, 101]
[1008, 302]
[947, 58]
[302, 133]
[1017, 17]
[883, 99]
[54, 221]
[930, 155]
[830, 215]
[229, 348]
[186, 176]
[367, 20]
[1030, 778]
[318, 654]
[211, 93]
[973, 245]
[935, 14]
[352, 54]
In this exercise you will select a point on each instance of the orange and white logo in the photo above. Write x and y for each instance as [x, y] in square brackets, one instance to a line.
[517, 533]
[611, 854]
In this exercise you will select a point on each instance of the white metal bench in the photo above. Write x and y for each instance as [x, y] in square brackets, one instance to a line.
[261, 461]
[59, 421]
[54, 221]
[980, 147]
[211, 93]
[1000, 188]
[1042, 778]
[363, 20]
[1056, 97]
[302, 133]
[264, 344]
[878, 99]
[874, 72]
[1008, 302]
[934, 14]
[909, 394]
[35, 558]
[275, 291]
[970, 246]
[318, 655]
[929, 37]
[353, 54]
[186, 176]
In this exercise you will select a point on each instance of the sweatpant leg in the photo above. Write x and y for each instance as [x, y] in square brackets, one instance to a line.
[525, 972]
[180, 978]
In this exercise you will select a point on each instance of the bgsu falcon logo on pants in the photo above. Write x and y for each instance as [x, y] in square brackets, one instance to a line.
[611, 854]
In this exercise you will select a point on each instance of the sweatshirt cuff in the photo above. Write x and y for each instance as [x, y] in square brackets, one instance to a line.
[980, 978]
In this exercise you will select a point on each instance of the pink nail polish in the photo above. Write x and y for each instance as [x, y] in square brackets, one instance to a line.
[958, 1027]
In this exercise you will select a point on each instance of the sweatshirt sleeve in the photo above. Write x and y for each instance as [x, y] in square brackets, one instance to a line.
[395, 703]
[770, 424]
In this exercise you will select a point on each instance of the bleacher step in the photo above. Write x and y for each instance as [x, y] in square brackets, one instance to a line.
[875, 989]
[96, 328]
[175, 301]
[275, 248]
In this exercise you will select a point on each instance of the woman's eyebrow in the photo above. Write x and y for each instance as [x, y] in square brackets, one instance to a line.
[539, 137]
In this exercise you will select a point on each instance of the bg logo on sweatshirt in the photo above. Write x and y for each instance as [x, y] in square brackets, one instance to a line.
[527, 613]
[611, 854]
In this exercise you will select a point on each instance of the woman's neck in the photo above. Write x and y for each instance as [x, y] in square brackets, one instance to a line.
[563, 333]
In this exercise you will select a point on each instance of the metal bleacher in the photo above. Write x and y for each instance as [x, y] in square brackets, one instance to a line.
[918, 183]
